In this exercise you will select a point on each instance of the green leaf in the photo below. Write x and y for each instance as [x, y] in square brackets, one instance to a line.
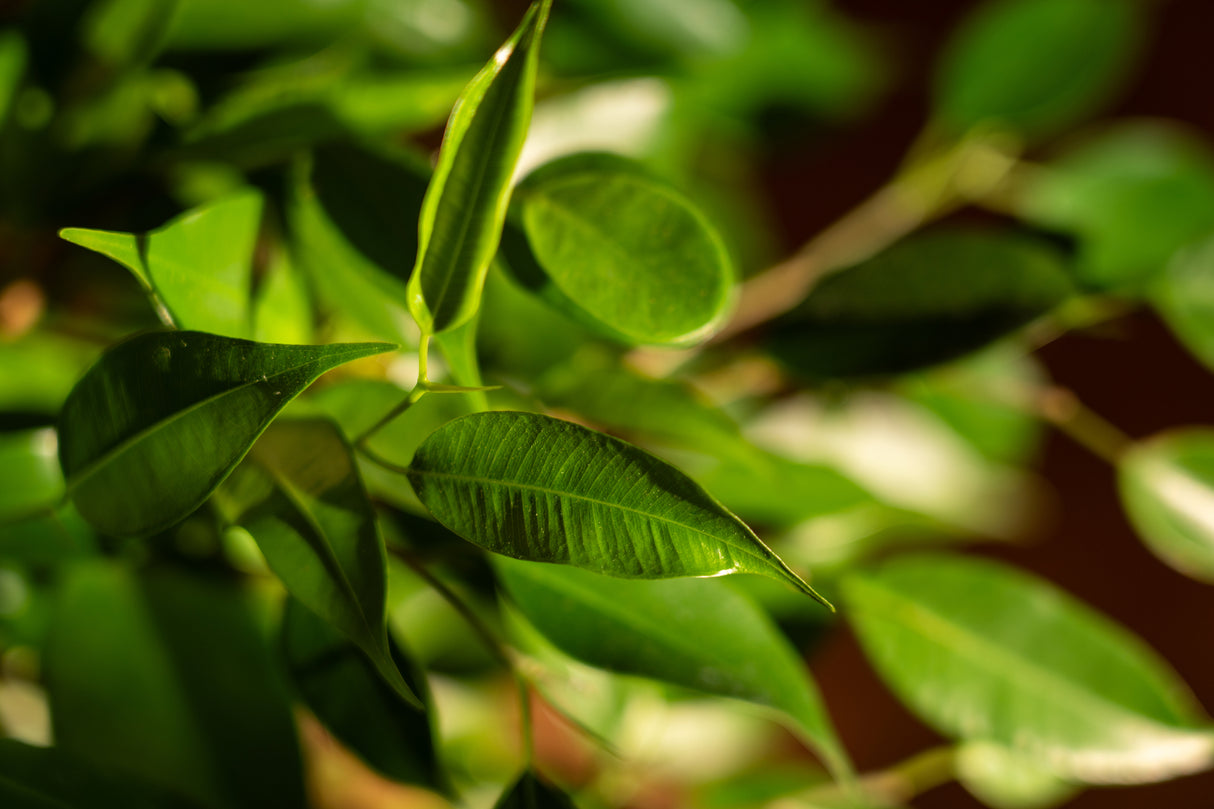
[298, 493]
[50, 538]
[349, 697]
[981, 651]
[1183, 295]
[30, 480]
[282, 310]
[13, 56]
[1167, 488]
[48, 778]
[164, 676]
[1002, 779]
[621, 251]
[196, 268]
[931, 298]
[465, 205]
[532, 792]
[538, 488]
[188, 402]
[1036, 65]
[696, 633]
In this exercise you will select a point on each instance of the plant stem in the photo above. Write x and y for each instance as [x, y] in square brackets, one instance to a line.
[1063, 409]
[903, 781]
[419, 390]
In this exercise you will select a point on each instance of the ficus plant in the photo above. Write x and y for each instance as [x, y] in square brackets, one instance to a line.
[351, 459]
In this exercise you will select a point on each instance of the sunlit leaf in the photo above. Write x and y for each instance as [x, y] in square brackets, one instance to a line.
[931, 298]
[621, 250]
[983, 652]
[196, 268]
[38, 371]
[1036, 65]
[186, 401]
[348, 696]
[531, 792]
[1002, 779]
[465, 204]
[282, 309]
[537, 488]
[298, 493]
[696, 633]
[1167, 487]
[165, 677]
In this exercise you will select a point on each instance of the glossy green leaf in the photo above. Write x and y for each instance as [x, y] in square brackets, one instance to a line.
[1036, 65]
[164, 676]
[1002, 779]
[30, 480]
[1183, 295]
[186, 401]
[49, 778]
[1167, 488]
[465, 205]
[983, 652]
[532, 792]
[931, 298]
[298, 493]
[1132, 194]
[622, 251]
[196, 268]
[348, 696]
[696, 633]
[538, 488]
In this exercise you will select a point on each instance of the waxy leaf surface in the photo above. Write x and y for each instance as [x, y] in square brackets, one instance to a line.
[695, 633]
[622, 251]
[298, 493]
[188, 402]
[1167, 487]
[465, 205]
[197, 268]
[538, 488]
[983, 652]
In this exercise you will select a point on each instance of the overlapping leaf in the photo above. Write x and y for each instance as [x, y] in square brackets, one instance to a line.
[184, 401]
[531, 792]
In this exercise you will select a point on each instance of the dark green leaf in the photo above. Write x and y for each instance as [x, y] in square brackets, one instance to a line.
[349, 697]
[1184, 297]
[465, 205]
[49, 538]
[234, 24]
[931, 298]
[188, 402]
[298, 493]
[696, 633]
[1167, 487]
[165, 677]
[1036, 65]
[622, 251]
[197, 268]
[534, 487]
[531, 792]
[983, 652]
[13, 54]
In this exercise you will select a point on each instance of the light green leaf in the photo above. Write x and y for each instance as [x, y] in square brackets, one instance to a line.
[931, 298]
[538, 488]
[298, 493]
[30, 480]
[1183, 294]
[981, 651]
[282, 310]
[196, 268]
[531, 792]
[1167, 488]
[348, 696]
[1002, 779]
[164, 676]
[695, 633]
[188, 402]
[1036, 65]
[621, 251]
[465, 205]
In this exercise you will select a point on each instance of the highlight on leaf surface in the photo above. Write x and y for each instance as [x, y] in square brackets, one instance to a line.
[538, 488]
[184, 401]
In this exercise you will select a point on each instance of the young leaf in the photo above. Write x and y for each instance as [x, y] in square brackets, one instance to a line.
[538, 488]
[982, 651]
[622, 251]
[931, 298]
[1036, 65]
[349, 697]
[465, 205]
[532, 792]
[197, 268]
[298, 493]
[696, 633]
[187, 402]
[1167, 487]
[164, 676]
